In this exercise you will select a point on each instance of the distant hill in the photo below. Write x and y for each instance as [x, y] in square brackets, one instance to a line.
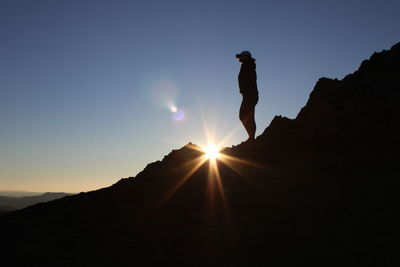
[13, 193]
[14, 203]
[318, 190]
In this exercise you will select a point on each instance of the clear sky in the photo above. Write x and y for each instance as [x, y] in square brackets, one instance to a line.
[87, 88]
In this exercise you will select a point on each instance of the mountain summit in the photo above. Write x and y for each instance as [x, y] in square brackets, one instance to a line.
[317, 190]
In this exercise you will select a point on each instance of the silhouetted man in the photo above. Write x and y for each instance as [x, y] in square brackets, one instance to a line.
[248, 88]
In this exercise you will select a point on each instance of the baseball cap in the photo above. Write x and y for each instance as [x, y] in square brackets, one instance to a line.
[243, 53]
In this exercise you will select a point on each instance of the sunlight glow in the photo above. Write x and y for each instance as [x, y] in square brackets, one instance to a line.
[214, 155]
[211, 151]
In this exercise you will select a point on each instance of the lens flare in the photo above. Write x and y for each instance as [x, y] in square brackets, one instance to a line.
[211, 151]
[178, 115]
[173, 108]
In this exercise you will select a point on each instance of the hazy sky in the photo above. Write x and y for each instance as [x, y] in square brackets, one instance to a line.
[87, 88]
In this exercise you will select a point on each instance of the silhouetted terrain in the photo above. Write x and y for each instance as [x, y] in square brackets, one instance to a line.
[15, 203]
[318, 190]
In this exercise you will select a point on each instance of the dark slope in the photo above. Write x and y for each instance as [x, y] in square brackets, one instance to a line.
[321, 191]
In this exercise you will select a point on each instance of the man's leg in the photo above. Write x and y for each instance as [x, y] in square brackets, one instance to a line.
[246, 116]
[251, 121]
[251, 124]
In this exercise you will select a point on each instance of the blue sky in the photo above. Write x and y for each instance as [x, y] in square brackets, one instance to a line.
[86, 87]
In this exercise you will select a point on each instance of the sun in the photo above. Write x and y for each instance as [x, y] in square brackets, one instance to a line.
[211, 151]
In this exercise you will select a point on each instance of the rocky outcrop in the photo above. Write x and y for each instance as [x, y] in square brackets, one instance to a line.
[360, 110]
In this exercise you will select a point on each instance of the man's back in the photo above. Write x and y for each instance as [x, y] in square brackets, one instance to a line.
[248, 78]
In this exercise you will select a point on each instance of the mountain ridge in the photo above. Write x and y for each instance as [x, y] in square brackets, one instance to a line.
[318, 190]
[360, 106]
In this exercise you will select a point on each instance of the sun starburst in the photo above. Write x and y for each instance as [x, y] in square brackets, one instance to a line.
[211, 152]
[215, 154]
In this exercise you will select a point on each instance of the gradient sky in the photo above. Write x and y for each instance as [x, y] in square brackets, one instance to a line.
[85, 85]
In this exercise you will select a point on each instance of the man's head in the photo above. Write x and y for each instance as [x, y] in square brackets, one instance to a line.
[243, 56]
